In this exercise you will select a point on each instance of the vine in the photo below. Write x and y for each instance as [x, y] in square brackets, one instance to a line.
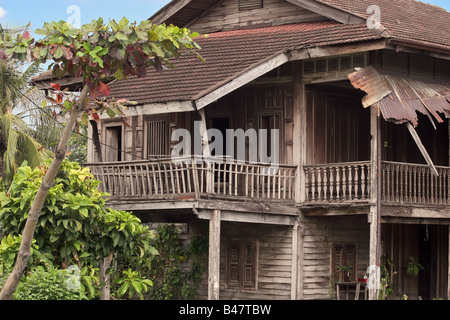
[176, 272]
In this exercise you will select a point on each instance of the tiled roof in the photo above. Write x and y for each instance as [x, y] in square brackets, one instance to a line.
[228, 53]
[409, 21]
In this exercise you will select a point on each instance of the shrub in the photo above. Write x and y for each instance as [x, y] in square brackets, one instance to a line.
[46, 285]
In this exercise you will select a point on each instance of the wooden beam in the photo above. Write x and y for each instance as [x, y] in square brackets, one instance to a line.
[329, 51]
[448, 268]
[229, 85]
[422, 149]
[248, 217]
[214, 256]
[374, 219]
[169, 10]
[328, 11]
[299, 143]
[297, 261]
[156, 108]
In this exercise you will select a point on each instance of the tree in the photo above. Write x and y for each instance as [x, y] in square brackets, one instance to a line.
[96, 52]
[76, 228]
[16, 139]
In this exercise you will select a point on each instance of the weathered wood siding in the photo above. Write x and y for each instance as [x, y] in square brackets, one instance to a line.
[320, 233]
[274, 260]
[246, 107]
[226, 16]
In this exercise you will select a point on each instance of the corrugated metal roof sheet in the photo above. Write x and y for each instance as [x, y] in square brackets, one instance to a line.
[406, 98]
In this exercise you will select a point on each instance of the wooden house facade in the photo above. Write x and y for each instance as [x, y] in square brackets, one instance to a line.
[363, 174]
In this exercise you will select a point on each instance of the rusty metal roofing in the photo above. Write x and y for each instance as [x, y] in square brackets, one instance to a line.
[406, 98]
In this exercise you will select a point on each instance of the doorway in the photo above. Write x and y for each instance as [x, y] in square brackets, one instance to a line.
[413, 244]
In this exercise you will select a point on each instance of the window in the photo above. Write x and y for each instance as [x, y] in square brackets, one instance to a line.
[241, 271]
[157, 137]
[341, 63]
[343, 261]
[250, 4]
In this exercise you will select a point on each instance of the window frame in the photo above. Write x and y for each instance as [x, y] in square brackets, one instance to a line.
[241, 281]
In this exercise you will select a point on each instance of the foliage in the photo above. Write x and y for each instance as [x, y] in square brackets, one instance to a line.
[413, 267]
[133, 283]
[9, 246]
[75, 228]
[177, 270]
[43, 284]
[386, 278]
[99, 52]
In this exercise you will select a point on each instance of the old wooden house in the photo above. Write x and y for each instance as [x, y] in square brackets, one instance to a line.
[359, 92]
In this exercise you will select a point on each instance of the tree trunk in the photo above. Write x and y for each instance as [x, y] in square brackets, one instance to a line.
[35, 211]
[105, 290]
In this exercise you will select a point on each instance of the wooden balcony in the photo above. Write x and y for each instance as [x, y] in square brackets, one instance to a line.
[402, 183]
[216, 178]
[195, 178]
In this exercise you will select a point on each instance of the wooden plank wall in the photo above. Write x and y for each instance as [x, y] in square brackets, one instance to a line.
[274, 260]
[319, 235]
[250, 102]
[226, 16]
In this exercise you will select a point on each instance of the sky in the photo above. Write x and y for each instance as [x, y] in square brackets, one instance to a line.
[14, 13]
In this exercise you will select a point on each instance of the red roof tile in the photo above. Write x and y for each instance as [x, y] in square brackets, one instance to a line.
[406, 20]
[228, 53]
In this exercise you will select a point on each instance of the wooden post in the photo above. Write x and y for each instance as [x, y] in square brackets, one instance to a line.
[214, 255]
[297, 262]
[299, 141]
[448, 267]
[374, 215]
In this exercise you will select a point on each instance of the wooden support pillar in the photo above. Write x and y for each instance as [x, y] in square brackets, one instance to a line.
[214, 255]
[448, 265]
[375, 213]
[297, 262]
[299, 141]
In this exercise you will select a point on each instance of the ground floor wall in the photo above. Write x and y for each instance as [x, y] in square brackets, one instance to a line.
[272, 259]
[330, 243]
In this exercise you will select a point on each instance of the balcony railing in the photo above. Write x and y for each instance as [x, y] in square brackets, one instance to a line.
[337, 182]
[403, 183]
[195, 177]
[415, 184]
[216, 178]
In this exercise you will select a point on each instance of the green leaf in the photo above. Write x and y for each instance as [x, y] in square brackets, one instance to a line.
[58, 53]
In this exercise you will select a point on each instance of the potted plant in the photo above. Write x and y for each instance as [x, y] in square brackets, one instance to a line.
[413, 267]
[345, 272]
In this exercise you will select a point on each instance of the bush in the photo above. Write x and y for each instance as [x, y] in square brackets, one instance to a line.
[46, 285]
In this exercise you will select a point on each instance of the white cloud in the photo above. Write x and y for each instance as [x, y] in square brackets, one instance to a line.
[3, 12]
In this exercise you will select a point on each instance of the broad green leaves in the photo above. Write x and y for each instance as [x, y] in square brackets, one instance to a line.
[99, 51]
[74, 227]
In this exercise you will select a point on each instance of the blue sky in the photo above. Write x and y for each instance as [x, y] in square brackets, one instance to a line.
[15, 13]
[20, 12]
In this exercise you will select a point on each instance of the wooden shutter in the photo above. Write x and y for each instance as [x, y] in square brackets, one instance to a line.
[233, 273]
[157, 131]
[343, 255]
[250, 4]
[241, 264]
[249, 268]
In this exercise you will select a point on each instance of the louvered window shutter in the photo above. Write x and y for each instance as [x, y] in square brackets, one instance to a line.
[234, 272]
[157, 138]
[241, 264]
[250, 4]
[249, 250]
